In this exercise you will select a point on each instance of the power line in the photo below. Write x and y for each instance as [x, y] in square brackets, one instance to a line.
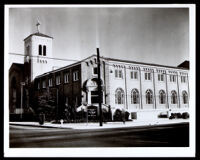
[62, 59]
[72, 60]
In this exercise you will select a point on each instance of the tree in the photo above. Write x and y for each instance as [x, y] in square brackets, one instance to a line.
[46, 103]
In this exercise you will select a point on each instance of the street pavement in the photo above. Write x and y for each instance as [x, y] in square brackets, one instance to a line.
[162, 135]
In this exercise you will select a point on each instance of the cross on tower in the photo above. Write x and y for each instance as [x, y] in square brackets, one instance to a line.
[38, 24]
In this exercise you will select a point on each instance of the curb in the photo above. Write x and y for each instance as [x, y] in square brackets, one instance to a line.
[40, 126]
[139, 126]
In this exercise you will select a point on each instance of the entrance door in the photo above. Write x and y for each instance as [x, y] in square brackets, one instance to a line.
[94, 97]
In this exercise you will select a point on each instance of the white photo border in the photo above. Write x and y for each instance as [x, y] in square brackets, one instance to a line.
[101, 151]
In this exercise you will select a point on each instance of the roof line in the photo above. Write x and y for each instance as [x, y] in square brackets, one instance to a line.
[152, 64]
[111, 59]
[61, 68]
[38, 34]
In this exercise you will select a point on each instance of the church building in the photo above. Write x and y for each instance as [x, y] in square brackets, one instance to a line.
[144, 90]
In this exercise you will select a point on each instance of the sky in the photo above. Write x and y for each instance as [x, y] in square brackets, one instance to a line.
[150, 35]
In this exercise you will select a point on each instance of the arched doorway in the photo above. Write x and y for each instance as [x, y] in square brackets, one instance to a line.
[92, 91]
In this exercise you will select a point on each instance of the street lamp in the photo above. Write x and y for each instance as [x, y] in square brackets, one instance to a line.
[22, 84]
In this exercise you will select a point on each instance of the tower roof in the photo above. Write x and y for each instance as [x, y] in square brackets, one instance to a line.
[38, 34]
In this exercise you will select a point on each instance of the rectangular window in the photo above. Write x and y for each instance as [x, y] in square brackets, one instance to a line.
[183, 79]
[147, 76]
[160, 77]
[43, 84]
[66, 78]
[75, 76]
[38, 85]
[172, 78]
[95, 70]
[57, 80]
[50, 82]
[134, 74]
[131, 74]
[116, 73]
[120, 74]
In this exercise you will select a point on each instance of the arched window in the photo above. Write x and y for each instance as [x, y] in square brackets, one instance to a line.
[185, 97]
[44, 50]
[119, 96]
[40, 49]
[134, 96]
[149, 97]
[173, 97]
[162, 97]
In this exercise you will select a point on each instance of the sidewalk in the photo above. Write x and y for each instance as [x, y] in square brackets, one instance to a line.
[134, 123]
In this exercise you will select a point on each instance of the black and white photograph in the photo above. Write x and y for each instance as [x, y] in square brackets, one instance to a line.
[99, 81]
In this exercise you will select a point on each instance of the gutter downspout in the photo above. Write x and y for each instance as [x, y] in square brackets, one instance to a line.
[179, 102]
[125, 87]
[154, 89]
[141, 107]
[167, 91]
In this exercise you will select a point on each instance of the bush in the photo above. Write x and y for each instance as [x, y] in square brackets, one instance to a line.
[185, 115]
[117, 115]
[172, 117]
[178, 115]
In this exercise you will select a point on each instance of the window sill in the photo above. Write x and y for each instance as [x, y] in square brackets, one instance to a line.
[119, 78]
[66, 82]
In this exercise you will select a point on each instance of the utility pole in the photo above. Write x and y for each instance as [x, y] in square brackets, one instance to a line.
[57, 103]
[99, 88]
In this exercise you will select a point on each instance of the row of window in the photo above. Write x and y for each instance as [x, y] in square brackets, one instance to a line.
[135, 97]
[148, 76]
[58, 80]
[42, 50]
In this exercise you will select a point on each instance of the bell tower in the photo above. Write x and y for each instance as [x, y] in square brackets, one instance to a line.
[38, 53]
